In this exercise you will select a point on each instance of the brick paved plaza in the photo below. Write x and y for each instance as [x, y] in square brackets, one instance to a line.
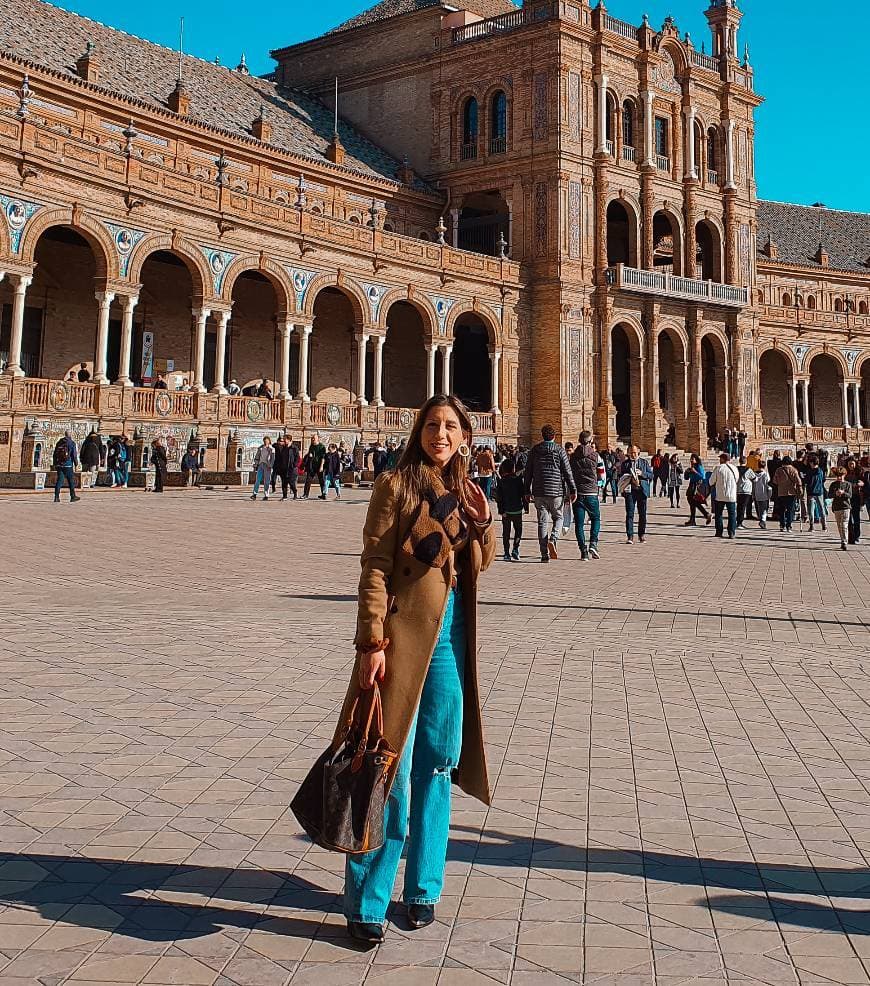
[678, 736]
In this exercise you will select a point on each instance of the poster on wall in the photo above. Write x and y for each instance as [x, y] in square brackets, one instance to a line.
[147, 357]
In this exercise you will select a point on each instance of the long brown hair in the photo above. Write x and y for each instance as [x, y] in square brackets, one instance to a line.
[414, 472]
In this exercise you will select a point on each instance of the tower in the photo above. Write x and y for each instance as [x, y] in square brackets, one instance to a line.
[724, 18]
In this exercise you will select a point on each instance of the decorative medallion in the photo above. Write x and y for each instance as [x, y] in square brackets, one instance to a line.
[375, 294]
[163, 403]
[665, 76]
[58, 396]
[218, 262]
[333, 414]
[800, 350]
[442, 308]
[406, 419]
[253, 410]
[475, 422]
[851, 356]
[301, 280]
[125, 243]
[777, 434]
[827, 434]
[18, 213]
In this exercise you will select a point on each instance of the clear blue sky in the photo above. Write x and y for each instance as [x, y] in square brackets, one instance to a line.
[808, 59]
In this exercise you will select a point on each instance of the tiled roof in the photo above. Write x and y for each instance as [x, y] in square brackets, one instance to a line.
[393, 8]
[794, 229]
[220, 97]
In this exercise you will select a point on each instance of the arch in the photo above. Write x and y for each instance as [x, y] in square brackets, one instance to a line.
[677, 333]
[489, 318]
[333, 362]
[671, 388]
[483, 220]
[105, 253]
[471, 360]
[862, 363]
[404, 353]
[675, 51]
[629, 122]
[182, 248]
[714, 380]
[421, 303]
[713, 153]
[272, 271]
[838, 304]
[612, 101]
[776, 370]
[827, 371]
[626, 375]
[667, 239]
[835, 354]
[811, 302]
[708, 250]
[349, 288]
[470, 123]
[862, 308]
[623, 231]
[498, 121]
[786, 299]
[785, 351]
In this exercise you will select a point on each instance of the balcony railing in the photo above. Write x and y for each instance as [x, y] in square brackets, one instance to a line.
[712, 177]
[623, 29]
[498, 145]
[162, 403]
[503, 23]
[703, 60]
[253, 409]
[673, 286]
[59, 395]
[608, 146]
[663, 163]
[628, 153]
[468, 152]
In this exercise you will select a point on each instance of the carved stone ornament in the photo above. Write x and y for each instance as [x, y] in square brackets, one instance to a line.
[58, 396]
[333, 414]
[162, 403]
[253, 410]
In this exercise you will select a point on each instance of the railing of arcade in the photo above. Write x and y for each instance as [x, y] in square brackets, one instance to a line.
[667, 284]
[623, 29]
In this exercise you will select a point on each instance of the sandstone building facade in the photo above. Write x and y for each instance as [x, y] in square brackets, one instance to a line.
[547, 210]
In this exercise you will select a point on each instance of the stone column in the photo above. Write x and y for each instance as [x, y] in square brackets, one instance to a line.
[794, 411]
[201, 315]
[689, 116]
[856, 390]
[647, 194]
[105, 299]
[446, 353]
[22, 283]
[601, 142]
[806, 389]
[844, 387]
[378, 396]
[431, 350]
[729, 155]
[494, 362]
[302, 388]
[362, 341]
[220, 362]
[286, 333]
[649, 150]
[128, 306]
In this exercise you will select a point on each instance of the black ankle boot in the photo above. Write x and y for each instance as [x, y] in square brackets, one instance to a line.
[373, 934]
[420, 915]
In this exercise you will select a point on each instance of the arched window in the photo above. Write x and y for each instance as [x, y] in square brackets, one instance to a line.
[811, 302]
[712, 156]
[786, 299]
[610, 122]
[470, 125]
[628, 124]
[838, 304]
[498, 123]
[862, 307]
[699, 148]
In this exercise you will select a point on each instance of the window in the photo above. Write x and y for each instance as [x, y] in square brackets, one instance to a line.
[838, 304]
[811, 302]
[469, 129]
[713, 156]
[862, 307]
[661, 137]
[627, 124]
[498, 123]
[786, 299]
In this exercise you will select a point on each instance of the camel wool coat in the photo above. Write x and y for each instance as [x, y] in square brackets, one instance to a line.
[416, 594]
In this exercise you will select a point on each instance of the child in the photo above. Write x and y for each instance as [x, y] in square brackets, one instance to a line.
[840, 495]
[761, 496]
[510, 503]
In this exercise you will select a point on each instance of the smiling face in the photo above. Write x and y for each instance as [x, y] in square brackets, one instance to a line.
[441, 436]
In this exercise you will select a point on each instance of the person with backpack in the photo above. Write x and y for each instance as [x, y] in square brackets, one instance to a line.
[761, 495]
[656, 463]
[509, 500]
[814, 484]
[697, 491]
[744, 492]
[723, 481]
[789, 487]
[546, 478]
[332, 467]
[584, 468]
[64, 459]
[634, 485]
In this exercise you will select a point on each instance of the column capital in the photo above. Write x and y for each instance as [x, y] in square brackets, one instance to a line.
[129, 301]
[304, 328]
[105, 297]
[22, 281]
[446, 346]
[201, 314]
[222, 316]
[380, 339]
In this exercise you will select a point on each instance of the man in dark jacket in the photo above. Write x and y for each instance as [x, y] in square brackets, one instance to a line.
[546, 478]
[64, 460]
[159, 460]
[92, 453]
[584, 469]
[282, 465]
[314, 466]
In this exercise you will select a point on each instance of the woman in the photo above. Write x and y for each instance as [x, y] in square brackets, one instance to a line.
[675, 479]
[853, 478]
[427, 537]
[332, 467]
[159, 461]
[697, 477]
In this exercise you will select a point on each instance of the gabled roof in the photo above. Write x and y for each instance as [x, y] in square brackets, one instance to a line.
[394, 8]
[54, 38]
[794, 229]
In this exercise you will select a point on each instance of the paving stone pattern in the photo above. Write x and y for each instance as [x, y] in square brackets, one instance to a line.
[678, 736]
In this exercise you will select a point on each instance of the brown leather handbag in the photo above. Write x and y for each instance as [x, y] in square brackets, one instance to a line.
[340, 804]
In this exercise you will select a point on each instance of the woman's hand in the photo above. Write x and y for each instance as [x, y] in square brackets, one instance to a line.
[476, 503]
[372, 666]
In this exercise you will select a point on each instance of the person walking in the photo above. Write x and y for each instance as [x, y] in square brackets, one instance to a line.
[675, 479]
[485, 470]
[281, 467]
[840, 495]
[723, 480]
[160, 462]
[511, 506]
[91, 455]
[664, 471]
[656, 464]
[567, 505]
[814, 485]
[65, 458]
[610, 475]
[546, 478]
[746, 477]
[761, 497]
[634, 485]
[854, 479]
[741, 443]
[417, 637]
[584, 468]
[122, 462]
[264, 460]
[697, 491]
[787, 481]
[332, 467]
[313, 464]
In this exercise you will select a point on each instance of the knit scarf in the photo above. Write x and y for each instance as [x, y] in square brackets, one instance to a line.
[437, 527]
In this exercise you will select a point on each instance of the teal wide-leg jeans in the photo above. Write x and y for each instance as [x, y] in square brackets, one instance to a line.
[419, 801]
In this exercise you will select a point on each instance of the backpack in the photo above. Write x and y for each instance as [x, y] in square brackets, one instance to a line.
[61, 454]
